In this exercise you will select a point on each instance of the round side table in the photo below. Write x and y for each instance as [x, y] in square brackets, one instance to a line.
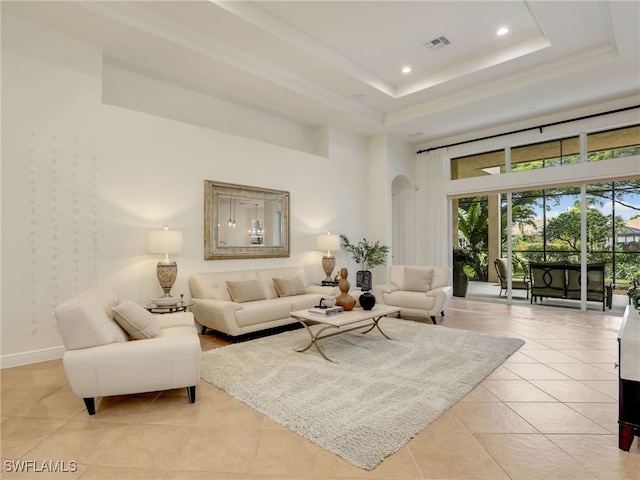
[178, 307]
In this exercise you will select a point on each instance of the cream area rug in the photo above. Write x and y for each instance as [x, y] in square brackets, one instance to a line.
[378, 395]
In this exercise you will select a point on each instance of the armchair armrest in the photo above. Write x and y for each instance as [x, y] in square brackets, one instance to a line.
[216, 314]
[176, 319]
[207, 308]
[442, 296]
[134, 366]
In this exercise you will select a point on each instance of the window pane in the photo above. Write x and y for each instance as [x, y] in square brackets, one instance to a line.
[546, 154]
[562, 229]
[617, 143]
[472, 231]
[480, 165]
[626, 206]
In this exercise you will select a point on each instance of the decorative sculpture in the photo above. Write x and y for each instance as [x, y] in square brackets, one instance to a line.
[345, 300]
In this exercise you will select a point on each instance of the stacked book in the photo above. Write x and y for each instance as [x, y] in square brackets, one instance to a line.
[326, 311]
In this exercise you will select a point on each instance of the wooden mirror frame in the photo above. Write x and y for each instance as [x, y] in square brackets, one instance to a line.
[214, 249]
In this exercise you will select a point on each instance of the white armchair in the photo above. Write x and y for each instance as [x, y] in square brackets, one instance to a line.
[419, 290]
[138, 353]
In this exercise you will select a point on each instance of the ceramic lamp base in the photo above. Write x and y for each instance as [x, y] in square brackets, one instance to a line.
[167, 273]
[328, 264]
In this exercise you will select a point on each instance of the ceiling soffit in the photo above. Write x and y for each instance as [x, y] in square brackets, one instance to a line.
[321, 62]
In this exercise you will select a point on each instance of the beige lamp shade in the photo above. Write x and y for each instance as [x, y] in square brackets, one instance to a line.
[165, 242]
[328, 242]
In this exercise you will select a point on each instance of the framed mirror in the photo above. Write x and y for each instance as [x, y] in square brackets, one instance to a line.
[241, 221]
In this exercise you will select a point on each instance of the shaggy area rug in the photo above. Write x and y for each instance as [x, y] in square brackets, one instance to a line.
[378, 396]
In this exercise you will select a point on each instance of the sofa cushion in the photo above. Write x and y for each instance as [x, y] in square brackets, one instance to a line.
[246, 290]
[417, 280]
[214, 284]
[289, 286]
[136, 321]
[266, 275]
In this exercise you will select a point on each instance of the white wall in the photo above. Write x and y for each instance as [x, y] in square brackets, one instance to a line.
[125, 88]
[84, 182]
[50, 116]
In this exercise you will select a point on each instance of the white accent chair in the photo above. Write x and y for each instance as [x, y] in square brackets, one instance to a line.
[102, 360]
[419, 290]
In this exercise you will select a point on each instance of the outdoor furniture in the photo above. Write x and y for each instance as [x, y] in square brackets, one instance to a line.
[516, 283]
[563, 280]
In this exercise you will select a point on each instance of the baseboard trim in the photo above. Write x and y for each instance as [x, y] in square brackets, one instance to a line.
[33, 356]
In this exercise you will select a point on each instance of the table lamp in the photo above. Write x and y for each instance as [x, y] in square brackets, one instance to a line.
[328, 242]
[165, 242]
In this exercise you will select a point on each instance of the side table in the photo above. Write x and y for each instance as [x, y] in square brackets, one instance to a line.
[178, 307]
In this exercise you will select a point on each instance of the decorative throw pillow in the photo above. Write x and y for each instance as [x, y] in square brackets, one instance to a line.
[418, 280]
[246, 290]
[135, 320]
[289, 286]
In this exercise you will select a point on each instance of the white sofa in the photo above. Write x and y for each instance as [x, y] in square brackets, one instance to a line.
[258, 302]
[101, 358]
[419, 290]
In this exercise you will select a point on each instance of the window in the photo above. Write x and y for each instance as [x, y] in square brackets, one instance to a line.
[546, 223]
[615, 143]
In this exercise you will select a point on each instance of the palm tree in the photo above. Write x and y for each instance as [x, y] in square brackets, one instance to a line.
[473, 225]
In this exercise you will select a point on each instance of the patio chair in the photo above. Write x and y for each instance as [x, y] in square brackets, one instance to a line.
[516, 283]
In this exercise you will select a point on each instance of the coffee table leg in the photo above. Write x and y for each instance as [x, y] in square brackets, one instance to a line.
[314, 340]
[375, 325]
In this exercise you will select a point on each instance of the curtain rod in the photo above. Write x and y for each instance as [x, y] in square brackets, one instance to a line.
[539, 127]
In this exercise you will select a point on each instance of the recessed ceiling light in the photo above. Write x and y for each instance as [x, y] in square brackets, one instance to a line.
[406, 70]
[502, 31]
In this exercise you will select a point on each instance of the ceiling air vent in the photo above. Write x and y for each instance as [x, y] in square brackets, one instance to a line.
[438, 43]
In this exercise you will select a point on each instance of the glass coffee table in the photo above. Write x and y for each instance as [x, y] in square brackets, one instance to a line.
[355, 319]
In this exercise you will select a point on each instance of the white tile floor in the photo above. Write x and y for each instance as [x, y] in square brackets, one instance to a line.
[549, 412]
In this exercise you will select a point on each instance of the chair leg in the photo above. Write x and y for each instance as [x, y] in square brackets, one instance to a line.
[90, 403]
[433, 319]
[204, 330]
[442, 313]
[191, 393]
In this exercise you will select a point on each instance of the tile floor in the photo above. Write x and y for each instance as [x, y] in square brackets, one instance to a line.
[549, 412]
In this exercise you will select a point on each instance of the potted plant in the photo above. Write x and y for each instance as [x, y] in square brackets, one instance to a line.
[461, 257]
[368, 255]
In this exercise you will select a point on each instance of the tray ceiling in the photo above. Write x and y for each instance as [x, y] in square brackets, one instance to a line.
[340, 62]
